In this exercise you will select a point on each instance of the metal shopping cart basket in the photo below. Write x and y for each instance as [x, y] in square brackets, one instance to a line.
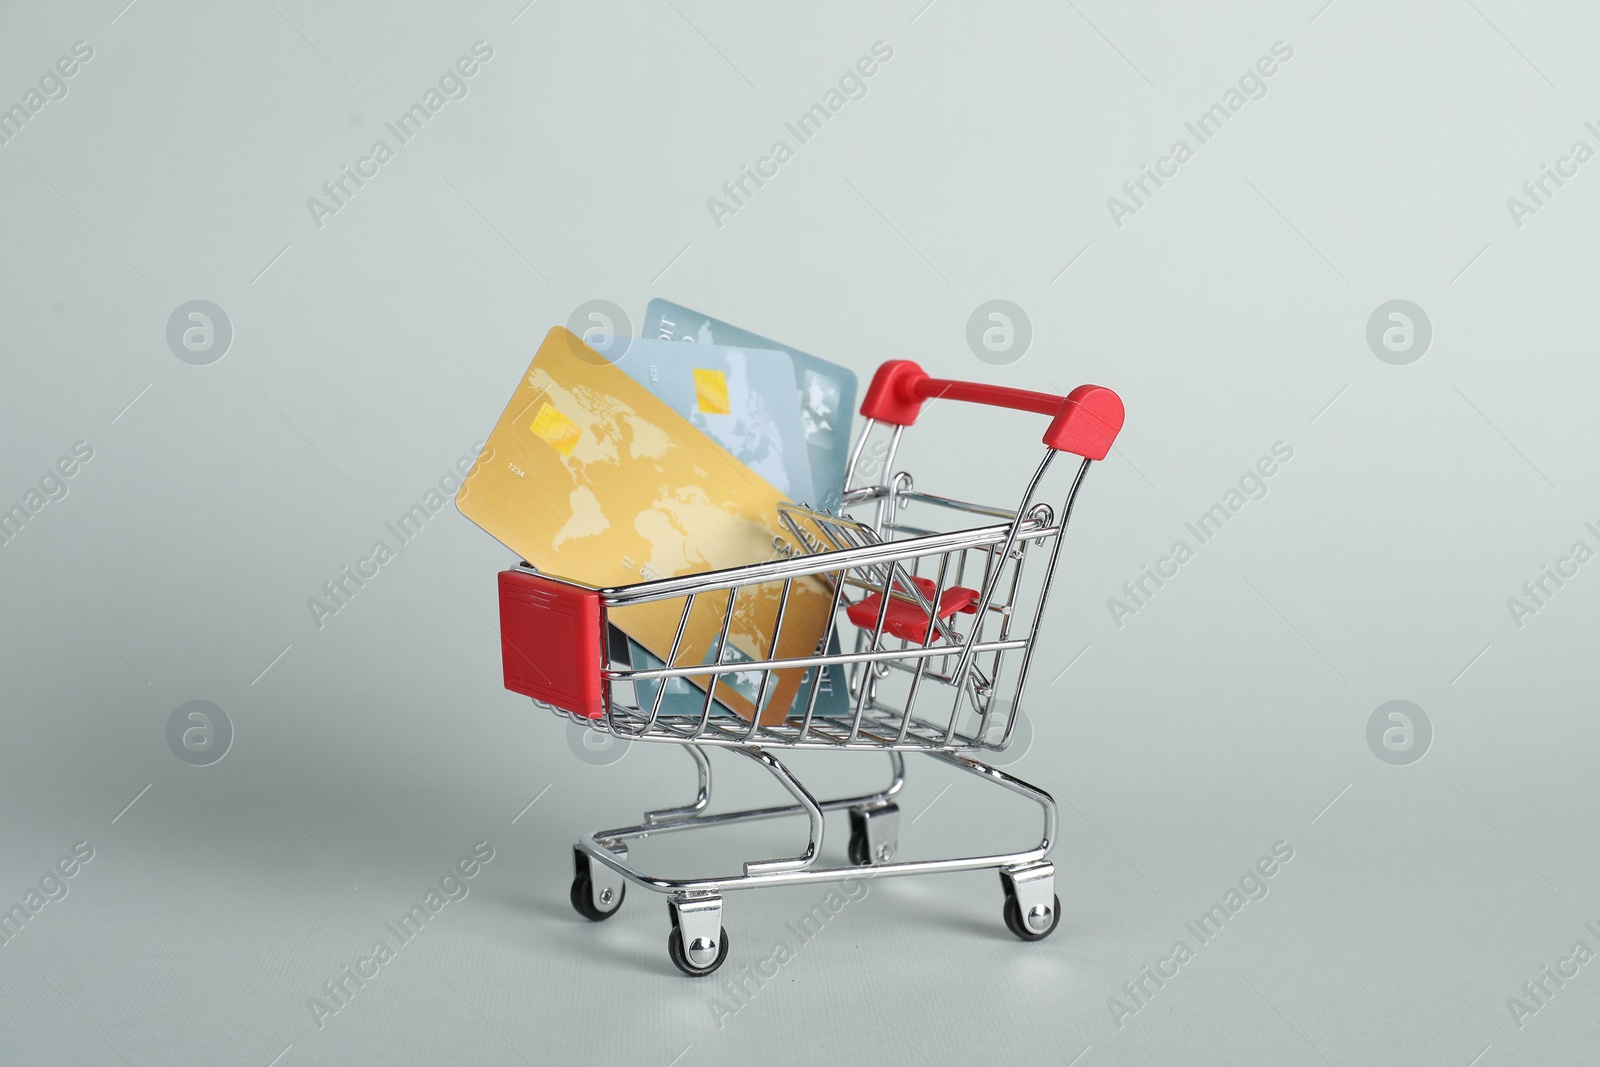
[941, 630]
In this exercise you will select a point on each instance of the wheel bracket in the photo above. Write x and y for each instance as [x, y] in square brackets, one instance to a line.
[1034, 889]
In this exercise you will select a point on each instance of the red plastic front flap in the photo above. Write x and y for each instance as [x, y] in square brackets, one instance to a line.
[550, 636]
[905, 619]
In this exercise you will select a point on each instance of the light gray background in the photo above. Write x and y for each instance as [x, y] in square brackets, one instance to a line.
[368, 355]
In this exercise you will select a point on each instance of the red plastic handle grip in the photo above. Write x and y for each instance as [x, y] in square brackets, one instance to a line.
[1086, 421]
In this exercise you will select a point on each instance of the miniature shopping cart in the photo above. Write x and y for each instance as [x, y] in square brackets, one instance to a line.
[939, 629]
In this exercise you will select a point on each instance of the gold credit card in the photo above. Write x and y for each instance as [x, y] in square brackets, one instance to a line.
[590, 477]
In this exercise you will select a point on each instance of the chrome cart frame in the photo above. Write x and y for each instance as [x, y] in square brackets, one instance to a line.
[900, 583]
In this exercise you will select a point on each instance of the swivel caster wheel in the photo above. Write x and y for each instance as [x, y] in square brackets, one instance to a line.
[698, 943]
[1032, 910]
[596, 895]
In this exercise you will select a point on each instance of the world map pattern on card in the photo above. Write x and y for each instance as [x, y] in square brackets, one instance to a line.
[590, 477]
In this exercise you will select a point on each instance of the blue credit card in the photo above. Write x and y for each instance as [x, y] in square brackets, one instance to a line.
[739, 396]
[823, 395]
[683, 698]
[824, 392]
[743, 399]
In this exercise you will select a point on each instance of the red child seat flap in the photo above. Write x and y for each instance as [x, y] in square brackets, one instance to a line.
[905, 619]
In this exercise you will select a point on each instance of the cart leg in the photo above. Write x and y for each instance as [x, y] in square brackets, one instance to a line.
[1032, 908]
[1047, 803]
[698, 943]
[702, 795]
[808, 804]
[897, 780]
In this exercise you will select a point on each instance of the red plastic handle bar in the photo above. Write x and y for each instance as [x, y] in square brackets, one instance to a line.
[1086, 421]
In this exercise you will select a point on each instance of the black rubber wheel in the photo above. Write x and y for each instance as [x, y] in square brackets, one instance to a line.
[582, 894]
[858, 846]
[680, 958]
[1014, 923]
